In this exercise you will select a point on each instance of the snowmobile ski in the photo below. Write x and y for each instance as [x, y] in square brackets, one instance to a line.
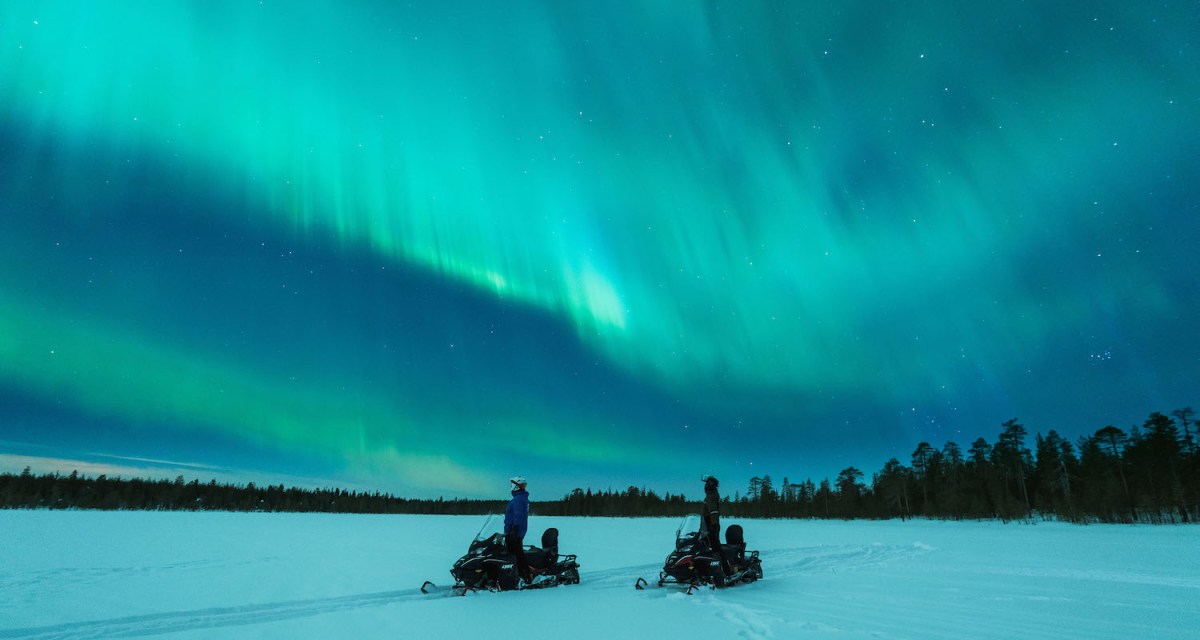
[434, 590]
[431, 589]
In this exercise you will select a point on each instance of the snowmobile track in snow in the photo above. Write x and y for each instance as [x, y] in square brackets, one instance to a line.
[213, 618]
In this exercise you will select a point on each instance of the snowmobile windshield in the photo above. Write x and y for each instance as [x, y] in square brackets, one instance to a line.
[491, 526]
[689, 529]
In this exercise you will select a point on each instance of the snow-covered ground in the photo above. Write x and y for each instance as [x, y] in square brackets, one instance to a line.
[299, 576]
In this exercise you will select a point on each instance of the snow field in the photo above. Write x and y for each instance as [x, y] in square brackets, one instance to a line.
[235, 575]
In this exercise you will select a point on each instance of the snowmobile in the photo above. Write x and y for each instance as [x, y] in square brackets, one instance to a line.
[693, 562]
[489, 566]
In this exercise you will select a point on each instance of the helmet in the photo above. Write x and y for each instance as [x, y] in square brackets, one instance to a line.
[518, 482]
[710, 481]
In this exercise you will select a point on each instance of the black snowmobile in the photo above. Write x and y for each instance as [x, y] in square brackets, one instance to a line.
[488, 565]
[693, 562]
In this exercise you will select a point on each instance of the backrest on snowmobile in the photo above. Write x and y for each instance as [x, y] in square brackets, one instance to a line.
[733, 536]
[550, 544]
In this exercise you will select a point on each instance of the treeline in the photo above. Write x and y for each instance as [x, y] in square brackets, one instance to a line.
[1149, 474]
[74, 491]
[55, 491]
[632, 502]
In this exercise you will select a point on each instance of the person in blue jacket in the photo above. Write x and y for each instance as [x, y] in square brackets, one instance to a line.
[516, 523]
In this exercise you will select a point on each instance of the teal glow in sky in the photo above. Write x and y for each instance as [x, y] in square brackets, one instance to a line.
[422, 248]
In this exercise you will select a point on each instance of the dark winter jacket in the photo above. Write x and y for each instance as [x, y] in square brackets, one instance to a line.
[516, 517]
[712, 509]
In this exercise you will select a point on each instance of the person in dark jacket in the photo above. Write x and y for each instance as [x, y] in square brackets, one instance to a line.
[712, 517]
[516, 523]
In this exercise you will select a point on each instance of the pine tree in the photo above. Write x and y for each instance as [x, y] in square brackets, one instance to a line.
[755, 488]
[1186, 418]
[891, 485]
[1157, 455]
[849, 491]
[824, 497]
[1053, 466]
[1011, 459]
[951, 478]
[980, 487]
[921, 458]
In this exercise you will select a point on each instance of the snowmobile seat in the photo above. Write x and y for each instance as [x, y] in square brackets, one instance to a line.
[539, 559]
[734, 542]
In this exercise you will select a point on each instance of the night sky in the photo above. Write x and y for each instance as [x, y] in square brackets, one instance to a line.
[419, 249]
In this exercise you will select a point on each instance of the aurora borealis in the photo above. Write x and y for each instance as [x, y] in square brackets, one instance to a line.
[421, 248]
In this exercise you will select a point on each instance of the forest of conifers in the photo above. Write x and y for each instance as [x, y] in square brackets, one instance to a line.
[1149, 474]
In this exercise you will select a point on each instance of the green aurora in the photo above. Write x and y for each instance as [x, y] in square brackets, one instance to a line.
[423, 248]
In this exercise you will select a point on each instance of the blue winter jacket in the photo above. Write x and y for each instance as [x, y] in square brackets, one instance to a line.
[516, 517]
